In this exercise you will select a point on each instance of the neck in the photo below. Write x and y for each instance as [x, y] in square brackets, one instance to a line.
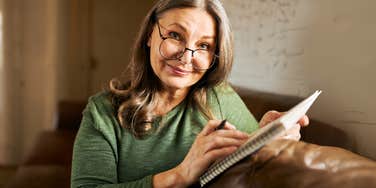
[169, 98]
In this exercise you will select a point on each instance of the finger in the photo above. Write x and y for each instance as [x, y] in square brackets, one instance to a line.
[220, 142]
[292, 137]
[293, 133]
[236, 134]
[229, 126]
[304, 121]
[269, 117]
[210, 127]
[272, 115]
[219, 153]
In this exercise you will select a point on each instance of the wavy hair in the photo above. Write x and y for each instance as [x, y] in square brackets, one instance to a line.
[134, 96]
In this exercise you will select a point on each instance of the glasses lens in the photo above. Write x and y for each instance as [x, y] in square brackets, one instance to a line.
[203, 58]
[172, 49]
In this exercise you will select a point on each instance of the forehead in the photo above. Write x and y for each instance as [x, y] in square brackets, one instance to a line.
[192, 19]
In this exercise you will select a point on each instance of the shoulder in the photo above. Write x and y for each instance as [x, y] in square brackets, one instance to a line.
[222, 98]
[100, 103]
[100, 110]
[223, 92]
[228, 104]
[99, 128]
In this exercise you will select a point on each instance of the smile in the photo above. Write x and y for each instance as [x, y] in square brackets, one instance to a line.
[177, 71]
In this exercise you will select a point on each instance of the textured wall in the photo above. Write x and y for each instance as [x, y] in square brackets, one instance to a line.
[297, 46]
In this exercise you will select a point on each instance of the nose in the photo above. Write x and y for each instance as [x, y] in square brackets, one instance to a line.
[187, 57]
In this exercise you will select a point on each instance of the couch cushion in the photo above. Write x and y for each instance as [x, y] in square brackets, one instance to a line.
[52, 147]
[327, 135]
[260, 102]
[39, 176]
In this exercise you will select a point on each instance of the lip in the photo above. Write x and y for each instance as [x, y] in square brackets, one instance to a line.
[177, 71]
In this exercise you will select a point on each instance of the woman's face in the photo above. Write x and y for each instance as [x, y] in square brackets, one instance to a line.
[190, 27]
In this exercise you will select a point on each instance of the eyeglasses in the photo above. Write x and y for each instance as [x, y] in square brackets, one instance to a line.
[173, 47]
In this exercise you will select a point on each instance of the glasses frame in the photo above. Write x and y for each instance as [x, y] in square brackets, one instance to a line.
[183, 52]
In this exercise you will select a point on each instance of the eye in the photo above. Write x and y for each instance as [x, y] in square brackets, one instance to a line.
[204, 46]
[174, 35]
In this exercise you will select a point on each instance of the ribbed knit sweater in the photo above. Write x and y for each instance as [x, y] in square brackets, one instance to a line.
[107, 155]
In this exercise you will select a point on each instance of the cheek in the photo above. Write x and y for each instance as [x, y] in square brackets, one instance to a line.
[153, 44]
[155, 58]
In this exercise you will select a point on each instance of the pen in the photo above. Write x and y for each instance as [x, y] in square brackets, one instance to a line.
[221, 125]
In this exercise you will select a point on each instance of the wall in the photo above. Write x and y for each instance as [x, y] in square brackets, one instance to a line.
[12, 87]
[29, 95]
[99, 36]
[57, 50]
[73, 70]
[113, 27]
[294, 47]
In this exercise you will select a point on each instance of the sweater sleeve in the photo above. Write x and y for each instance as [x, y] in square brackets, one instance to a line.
[94, 161]
[233, 109]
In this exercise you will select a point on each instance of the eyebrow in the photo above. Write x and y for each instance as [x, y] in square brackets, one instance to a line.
[185, 30]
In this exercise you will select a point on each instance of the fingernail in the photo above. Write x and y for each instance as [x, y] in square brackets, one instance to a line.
[231, 126]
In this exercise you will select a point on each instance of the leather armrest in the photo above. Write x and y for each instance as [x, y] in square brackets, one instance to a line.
[69, 114]
[51, 147]
[287, 163]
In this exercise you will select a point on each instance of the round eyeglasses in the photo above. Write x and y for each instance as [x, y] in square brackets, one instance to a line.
[173, 48]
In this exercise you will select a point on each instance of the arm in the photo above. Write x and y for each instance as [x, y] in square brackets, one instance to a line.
[94, 160]
[209, 145]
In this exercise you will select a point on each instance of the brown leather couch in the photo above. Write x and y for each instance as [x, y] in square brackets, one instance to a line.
[48, 164]
[292, 164]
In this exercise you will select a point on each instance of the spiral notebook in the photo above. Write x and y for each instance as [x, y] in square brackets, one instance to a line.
[261, 137]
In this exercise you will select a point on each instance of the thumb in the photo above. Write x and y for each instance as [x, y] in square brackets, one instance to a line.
[269, 117]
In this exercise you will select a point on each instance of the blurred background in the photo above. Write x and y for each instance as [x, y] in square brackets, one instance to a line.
[67, 50]
[55, 50]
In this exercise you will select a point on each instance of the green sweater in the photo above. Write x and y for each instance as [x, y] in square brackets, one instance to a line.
[107, 155]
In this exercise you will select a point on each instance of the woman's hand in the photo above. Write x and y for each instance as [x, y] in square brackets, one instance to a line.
[293, 133]
[210, 144]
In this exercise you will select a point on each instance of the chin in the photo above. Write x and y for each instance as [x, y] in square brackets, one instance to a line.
[178, 84]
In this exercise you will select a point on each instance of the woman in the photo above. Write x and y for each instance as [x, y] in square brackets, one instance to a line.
[158, 127]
